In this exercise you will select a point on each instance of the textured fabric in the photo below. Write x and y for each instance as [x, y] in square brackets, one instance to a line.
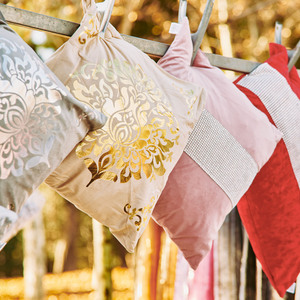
[218, 153]
[40, 122]
[285, 117]
[270, 209]
[116, 174]
[193, 204]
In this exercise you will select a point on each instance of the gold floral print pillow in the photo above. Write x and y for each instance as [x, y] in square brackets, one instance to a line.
[40, 123]
[117, 173]
[141, 131]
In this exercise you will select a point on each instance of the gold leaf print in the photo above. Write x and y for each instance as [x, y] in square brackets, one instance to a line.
[90, 31]
[189, 97]
[141, 130]
[101, 172]
[140, 215]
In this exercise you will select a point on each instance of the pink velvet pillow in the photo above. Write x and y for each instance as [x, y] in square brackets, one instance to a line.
[228, 146]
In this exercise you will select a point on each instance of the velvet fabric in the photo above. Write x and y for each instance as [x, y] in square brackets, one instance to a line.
[271, 207]
[117, 174]
[193, 205]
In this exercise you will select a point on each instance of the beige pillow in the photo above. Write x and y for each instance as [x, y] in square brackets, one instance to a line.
[116, 174]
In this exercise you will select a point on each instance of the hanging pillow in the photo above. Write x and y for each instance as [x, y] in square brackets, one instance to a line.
[270, 209]
[116, 174]
[40, 123]
[230, 143]
[28, 212]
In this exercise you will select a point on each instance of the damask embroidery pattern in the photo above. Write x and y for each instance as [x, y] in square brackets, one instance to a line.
[141, 130]
[92, 30]
[28, 107]
[141, 215]
[190, 98]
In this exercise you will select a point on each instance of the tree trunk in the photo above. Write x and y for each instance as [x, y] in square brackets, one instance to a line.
[99, 269]
[243, 272]
[34, 259]
[259, 281]
[71, 234]
[229, 258]
[65, 257]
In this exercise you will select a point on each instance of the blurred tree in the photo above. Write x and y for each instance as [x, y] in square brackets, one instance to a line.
[34, 259]
[251, 22]
[11, 258]
[251, 25]
[99, 281]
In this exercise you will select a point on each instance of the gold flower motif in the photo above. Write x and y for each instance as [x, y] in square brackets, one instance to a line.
[140, 131]
[90, 31]
[141, 215]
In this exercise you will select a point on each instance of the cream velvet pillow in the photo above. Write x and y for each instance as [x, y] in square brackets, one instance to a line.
[116, 174]
[40, 123]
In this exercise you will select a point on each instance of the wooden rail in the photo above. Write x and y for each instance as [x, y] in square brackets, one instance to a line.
[65, 28]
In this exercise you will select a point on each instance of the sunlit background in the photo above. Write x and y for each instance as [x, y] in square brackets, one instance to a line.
[237, 28]
[250, 23]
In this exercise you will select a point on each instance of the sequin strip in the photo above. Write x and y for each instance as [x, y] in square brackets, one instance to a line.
[282, 104]
[218, 153]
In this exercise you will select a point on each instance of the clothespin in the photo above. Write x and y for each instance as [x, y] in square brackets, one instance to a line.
[105, 8]
[2, 245]
[182, 10]
[175, 27]
[278, 29]
[294, 57]
[198, 36]
[296, 52]
[1, 16]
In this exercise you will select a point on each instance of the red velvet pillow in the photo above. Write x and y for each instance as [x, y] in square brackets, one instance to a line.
[270, 210]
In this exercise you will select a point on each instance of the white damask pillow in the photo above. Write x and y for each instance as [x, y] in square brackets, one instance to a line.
[40, 123]
[13, 223]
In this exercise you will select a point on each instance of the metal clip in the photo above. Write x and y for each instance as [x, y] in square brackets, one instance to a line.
[105, 8]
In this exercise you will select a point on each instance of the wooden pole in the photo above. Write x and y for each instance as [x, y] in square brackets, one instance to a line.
[21, 17]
